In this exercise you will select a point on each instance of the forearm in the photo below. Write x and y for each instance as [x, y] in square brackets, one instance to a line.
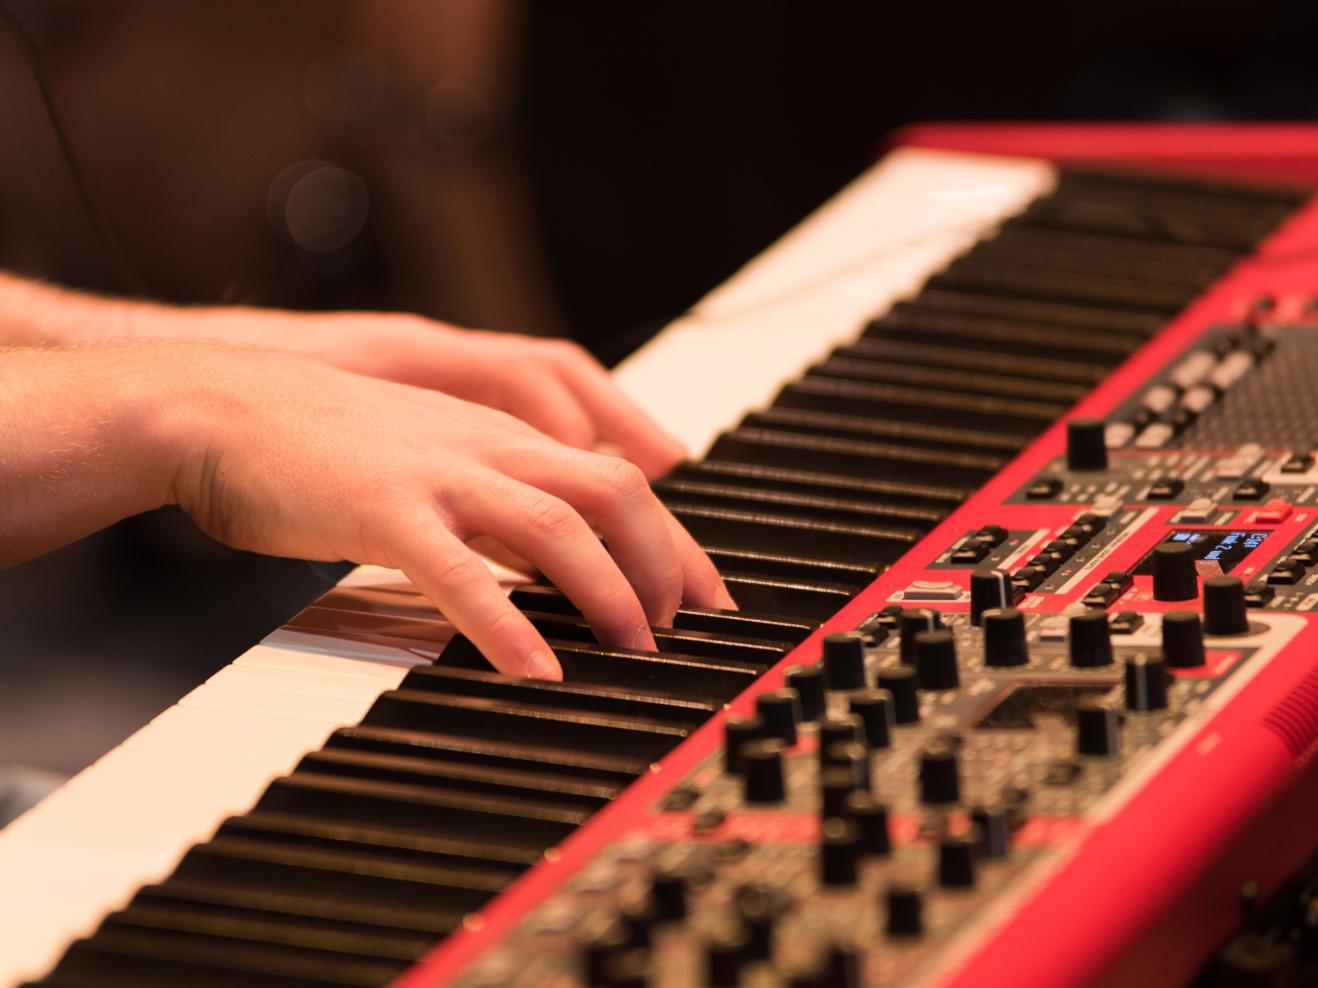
[86, 438]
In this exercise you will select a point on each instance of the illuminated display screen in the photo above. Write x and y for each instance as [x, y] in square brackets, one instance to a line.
[1215, 549]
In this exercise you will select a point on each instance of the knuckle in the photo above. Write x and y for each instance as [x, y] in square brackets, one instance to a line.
[456, 570]
[624, 480]
[551, 518]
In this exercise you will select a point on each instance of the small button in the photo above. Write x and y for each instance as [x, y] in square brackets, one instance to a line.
[1043, 490]
[1165, 490]
[1061, 772]
[1258, 594]
[1091, 523]
[969, 554]
[1201, 509]
[1028, 577]
[1302, 463]
[1251, 490]
[995, 534]
[1125, 622]
[931, 590]
[1106, 505]
[1273, 511]
[1283, 576]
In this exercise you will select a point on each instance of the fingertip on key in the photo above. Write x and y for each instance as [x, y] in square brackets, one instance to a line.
[543, 665]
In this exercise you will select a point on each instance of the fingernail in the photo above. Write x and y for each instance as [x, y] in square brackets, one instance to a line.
[542, 665]
[642, 638]
[724, 599]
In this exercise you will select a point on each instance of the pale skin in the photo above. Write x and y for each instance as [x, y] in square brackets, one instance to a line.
[378, 438]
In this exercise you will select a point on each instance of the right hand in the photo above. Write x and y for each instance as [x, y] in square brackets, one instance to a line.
[286, 455]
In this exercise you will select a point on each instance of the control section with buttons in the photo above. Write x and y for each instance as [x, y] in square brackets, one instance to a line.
[1027, 748]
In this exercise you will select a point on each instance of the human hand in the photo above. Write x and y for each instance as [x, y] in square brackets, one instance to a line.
[284, 455]
[553, 385]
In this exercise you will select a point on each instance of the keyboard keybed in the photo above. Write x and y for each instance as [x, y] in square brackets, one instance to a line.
[349, 868]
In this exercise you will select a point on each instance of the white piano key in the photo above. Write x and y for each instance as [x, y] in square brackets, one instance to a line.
[873, 243]
[127, 819]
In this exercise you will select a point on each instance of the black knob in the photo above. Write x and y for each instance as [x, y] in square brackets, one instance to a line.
[956, 862]
[845, 968]
[781, 711]
[900, 682]
[836, 783]
[852, 756]
[1183, 640]
[876, 710]
[989, 590]
[726, 955]
[904, 907]
[808, 681]
[1224, 606]
[844, 661]
[838, 729]
[839, 847]
[871, 819]
[992, 831]
[668, 891]
[940, 777]
[935, 660]
[1004, 637]
[756, 908]
[1097, 728]
[1086, 444]
[1091, 640]
[1146, 683]
[911, 623]
[736, 732]
[764, 771]
[1174, 576]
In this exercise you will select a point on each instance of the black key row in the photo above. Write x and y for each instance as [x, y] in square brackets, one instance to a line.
[378, 845]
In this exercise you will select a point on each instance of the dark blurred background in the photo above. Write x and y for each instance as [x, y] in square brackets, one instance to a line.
[585, 169]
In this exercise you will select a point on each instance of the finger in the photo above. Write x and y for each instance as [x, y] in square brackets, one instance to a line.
[702, 584]
[490, 549]
[660, 558]
[548, 404]
[548, 532]
[459, 584]
[616, 416]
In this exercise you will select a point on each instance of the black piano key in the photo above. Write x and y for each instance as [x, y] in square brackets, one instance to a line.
[679, 641]
[1020, 416]
[1192, 279]
[1210, 260]
[816, 601]
[834, 509]
[1219, 192]
[528, 824]
[793, 451]
[922, 354]
[1006, 333]
[503, 863]
[212, 900]
[766, 627]
[774, 478]
[1083, 324]
[302, 903]
[714, 680]
[569, 695]
[931, 437]
[456, 777]
[1093, 213]
[525, 723]
[857, 576]
[762, 530]
[1024, 281]
[143, 959]
[602, 768]
[960, 381]
[239, 928]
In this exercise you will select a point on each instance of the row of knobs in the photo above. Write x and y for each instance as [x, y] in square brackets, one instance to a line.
[619, 955]
[754, 745]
